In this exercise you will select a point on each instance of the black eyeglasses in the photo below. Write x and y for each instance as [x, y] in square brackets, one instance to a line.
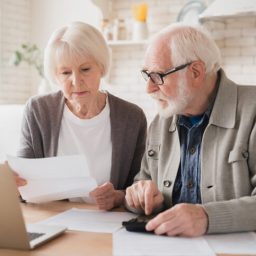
[157, 78]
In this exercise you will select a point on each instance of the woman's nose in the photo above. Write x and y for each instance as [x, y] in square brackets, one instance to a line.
[76, 79]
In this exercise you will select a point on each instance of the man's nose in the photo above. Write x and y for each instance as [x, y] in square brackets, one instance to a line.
[151, 87]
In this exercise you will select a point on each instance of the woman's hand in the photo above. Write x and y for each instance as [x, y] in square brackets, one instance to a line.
[19, 181]
[106, 197]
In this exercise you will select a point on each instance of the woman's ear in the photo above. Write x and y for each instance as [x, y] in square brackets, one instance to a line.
[102, 70]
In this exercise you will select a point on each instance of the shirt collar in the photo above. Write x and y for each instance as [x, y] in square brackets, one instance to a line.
[184, 120]
[225, 98]
[225, 105]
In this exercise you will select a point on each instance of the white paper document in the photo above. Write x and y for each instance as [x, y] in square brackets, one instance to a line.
[127, 243]
[53, 178]
[234, 243]
[90, 220]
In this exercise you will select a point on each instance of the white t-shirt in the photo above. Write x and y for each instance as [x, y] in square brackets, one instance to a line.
[90, 137]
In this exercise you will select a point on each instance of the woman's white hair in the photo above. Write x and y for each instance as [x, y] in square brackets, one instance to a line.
[73, 42]
[189, 43]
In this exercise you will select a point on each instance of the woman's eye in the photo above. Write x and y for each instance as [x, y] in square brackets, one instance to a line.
[65, 72]
[85, 69]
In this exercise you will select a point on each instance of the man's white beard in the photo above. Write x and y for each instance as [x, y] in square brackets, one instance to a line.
[174, 106]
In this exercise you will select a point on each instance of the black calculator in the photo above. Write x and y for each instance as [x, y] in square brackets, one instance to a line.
[137, 224]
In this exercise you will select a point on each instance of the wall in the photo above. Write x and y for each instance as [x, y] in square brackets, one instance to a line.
[48, 15]
[125, 79]
[33, 21]
[235, 37]
[15, 24]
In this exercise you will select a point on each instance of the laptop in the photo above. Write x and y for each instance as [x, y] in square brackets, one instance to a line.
[13, 232]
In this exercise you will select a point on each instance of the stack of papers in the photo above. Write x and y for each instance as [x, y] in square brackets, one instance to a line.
[137, 244]
[53, 178]
[127, 243]
[233, 243]
[90, 220]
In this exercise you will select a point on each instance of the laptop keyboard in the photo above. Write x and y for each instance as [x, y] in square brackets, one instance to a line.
[32, 236]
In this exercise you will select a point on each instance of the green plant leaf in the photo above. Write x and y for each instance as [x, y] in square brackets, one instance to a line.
[31, 55]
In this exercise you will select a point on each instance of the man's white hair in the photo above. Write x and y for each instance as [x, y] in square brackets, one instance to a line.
[72, 43]
[189, 43]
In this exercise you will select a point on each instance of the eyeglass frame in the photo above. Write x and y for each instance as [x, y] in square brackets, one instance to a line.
[162, 75]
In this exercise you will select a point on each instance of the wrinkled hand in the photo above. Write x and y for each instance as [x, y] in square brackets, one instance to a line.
[144, 195]
[188, 220]
[106, 197]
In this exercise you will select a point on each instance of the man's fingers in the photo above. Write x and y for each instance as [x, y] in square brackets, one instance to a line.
[153, 197]
[183, 219]
[136, 200]
[175, 231]
[149, 198]
[134, 197]
[163, 217]
[141, 195]
[128, 197]
[168, 224]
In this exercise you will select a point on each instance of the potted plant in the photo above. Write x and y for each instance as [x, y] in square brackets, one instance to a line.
[32, 55]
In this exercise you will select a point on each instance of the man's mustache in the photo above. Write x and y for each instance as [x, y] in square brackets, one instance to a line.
[158, 96]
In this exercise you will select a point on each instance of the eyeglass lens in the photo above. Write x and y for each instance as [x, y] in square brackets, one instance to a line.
[156, 78]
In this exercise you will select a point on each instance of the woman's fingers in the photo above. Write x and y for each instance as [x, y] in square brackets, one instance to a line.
[19, 181]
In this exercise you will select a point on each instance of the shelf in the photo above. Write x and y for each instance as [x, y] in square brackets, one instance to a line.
[126, 42]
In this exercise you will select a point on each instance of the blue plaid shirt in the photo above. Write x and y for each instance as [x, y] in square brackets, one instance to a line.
[187, 183]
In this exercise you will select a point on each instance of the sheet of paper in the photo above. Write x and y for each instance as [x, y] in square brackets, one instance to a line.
[235, 243]
[127, 243]
[53, 178]
[90, 220]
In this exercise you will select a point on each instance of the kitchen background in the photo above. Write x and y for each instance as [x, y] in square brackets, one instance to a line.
[232, 23]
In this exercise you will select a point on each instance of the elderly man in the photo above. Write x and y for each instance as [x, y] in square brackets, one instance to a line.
[199, 168]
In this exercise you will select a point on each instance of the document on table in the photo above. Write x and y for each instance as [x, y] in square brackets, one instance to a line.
[127, 243]
[137, 244]
[53, 178]
[233, 243]
[90, 220]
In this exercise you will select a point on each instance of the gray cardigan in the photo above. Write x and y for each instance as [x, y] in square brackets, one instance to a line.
[41, 127]
[228, 159]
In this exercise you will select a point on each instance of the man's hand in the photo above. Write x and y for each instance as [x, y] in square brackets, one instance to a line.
[144, 195]
[188, 220]
[106, 197]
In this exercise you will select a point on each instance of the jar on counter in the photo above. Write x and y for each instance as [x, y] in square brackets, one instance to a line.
[140, 31]
[107, 29]
[119, 30]
[122, 30]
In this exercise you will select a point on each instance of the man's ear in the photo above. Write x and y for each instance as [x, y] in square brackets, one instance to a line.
[197, 69]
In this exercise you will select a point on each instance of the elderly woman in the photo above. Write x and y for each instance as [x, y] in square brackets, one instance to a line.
[82, 119]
